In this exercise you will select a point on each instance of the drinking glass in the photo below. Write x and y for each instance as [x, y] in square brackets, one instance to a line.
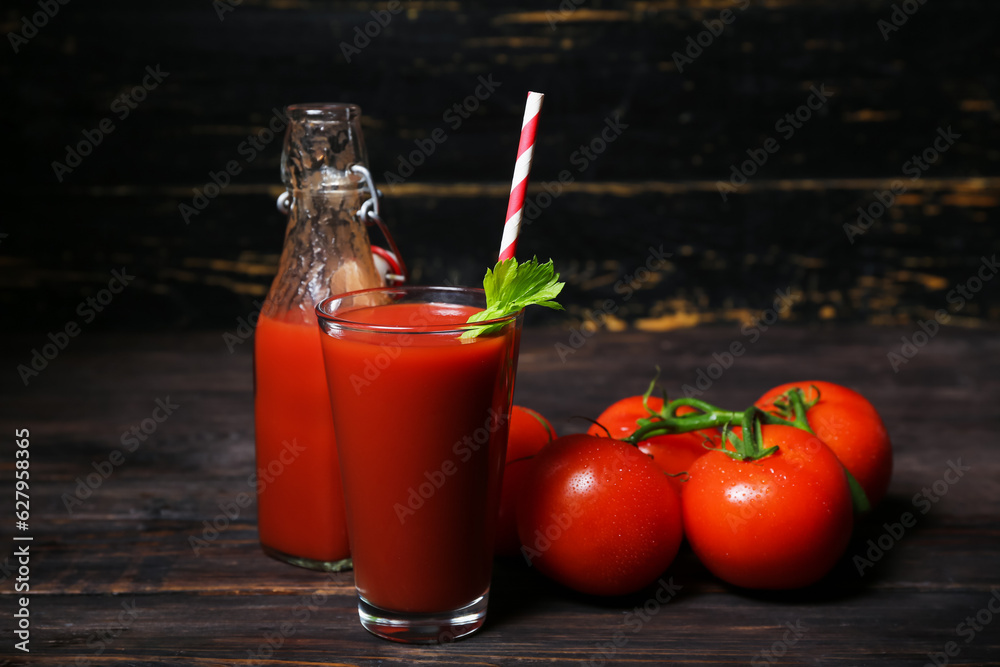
[421, 416]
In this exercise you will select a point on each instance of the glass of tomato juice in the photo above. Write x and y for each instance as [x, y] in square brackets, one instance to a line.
[421, 416]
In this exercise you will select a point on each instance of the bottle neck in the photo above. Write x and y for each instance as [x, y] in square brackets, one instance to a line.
[326, 252]
[321, 145]
[326, 248]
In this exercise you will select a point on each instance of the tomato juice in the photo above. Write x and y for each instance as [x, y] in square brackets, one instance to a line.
[421, 418]
[300, 506]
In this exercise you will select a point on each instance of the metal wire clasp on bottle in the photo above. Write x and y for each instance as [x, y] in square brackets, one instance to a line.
[389, 261]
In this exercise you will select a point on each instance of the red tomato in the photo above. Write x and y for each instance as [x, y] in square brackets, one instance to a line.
[676, 453]
[529, 432]
[672, 453]
[598, 516]
[620, 417]
[850, 426]
[779, 522]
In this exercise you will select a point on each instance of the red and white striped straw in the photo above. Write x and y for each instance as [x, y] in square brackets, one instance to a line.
[525, 151]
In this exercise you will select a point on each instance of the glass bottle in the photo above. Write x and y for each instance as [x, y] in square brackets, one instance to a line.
[326, 251]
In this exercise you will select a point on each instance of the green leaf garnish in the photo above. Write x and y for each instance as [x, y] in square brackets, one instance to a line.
[511, 286]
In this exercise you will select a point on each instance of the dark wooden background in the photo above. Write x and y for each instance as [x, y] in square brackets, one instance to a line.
[655, 184]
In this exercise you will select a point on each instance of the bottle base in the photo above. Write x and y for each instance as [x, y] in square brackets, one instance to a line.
[423, 628]
[320, 565]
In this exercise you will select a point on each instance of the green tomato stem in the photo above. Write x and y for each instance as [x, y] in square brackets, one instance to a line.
[749, 447]
[661, 425]
[797, 402]
[667, 420]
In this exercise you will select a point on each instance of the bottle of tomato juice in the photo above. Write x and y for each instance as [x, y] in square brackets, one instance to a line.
[326, 251]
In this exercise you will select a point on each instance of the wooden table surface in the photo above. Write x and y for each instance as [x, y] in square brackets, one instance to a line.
[114, 578]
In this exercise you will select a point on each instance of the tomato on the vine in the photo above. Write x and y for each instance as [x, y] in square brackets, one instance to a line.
[781, 521]
[673, 453]
[849, 425]
[528, 433]
[598, 516]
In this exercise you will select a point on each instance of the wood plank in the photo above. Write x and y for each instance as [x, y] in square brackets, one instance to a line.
[131, 541]
[947, 551]
[710, 629]
[272, 54]
[727, 259]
